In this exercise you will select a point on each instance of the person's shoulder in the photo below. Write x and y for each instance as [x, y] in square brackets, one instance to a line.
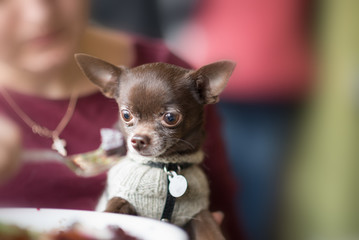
[129, 50]
[155, 50]
[111, 45]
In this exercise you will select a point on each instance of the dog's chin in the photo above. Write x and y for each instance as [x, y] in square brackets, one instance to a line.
[147, 153]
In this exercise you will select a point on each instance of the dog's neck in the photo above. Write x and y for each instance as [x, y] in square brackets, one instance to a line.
[193, 158]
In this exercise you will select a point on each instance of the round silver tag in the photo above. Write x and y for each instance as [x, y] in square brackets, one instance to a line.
[178, 185]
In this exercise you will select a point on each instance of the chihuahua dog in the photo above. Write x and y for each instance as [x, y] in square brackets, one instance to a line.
[161, 110]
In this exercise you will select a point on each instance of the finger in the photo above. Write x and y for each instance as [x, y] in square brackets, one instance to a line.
[218, 217]
[10, 146]
[10, 133]
[9, 162]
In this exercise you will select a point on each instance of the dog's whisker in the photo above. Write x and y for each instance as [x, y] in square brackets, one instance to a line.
[184, 141]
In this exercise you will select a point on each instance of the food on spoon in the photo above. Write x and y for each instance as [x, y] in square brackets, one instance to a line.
[110, 152]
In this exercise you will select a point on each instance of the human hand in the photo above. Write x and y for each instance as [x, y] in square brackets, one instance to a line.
[10, 146]
[218, 217]
[205, 226]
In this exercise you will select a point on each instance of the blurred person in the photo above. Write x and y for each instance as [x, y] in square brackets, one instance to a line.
[271, 43]
[320, 198]
[58, 110]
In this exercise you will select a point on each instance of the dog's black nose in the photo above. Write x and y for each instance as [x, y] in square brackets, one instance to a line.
[140, 142]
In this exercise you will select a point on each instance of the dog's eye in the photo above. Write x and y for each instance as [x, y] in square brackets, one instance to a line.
[126, 115]
[171, 119]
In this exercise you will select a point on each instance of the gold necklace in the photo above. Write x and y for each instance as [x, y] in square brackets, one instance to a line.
[58, 144]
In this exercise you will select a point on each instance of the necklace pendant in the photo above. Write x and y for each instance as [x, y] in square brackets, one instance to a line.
[59, 146]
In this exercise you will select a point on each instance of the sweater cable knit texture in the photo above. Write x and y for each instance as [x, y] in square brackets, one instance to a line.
[145, 187]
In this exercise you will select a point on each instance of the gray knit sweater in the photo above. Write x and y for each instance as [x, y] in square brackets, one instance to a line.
[145, 187]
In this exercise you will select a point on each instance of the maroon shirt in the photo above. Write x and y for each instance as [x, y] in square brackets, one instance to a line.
[48, 183]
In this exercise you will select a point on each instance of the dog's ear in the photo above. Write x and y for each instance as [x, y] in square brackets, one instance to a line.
[211, 79]
[105, 75]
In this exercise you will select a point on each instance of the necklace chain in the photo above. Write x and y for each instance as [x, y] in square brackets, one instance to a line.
[59, 144]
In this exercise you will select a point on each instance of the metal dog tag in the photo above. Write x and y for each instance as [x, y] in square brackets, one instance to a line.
[178, 184]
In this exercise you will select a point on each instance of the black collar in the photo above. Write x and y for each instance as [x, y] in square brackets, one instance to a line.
[170, 200]
[170, 166]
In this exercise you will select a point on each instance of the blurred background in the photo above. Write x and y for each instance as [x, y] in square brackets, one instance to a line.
[290, 110]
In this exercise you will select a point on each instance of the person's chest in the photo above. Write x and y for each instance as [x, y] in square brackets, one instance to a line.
[81, 133]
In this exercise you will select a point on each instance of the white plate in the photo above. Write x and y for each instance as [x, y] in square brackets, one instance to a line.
[50, 219]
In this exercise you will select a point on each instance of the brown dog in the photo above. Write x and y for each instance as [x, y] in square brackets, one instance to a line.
[162, 117]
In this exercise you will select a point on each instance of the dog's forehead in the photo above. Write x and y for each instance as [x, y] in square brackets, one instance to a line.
[162, 71]
[150, 87]
[149, 96]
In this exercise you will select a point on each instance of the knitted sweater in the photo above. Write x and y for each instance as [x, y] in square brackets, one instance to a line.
[145, 187]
